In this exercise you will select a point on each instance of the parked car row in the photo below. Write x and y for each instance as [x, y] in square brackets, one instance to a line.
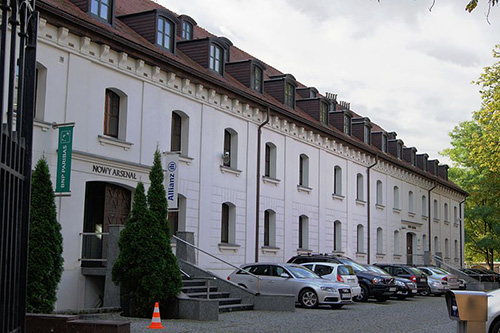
[321, 279]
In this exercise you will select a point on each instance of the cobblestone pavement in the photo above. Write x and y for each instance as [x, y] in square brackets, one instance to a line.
[420, 314]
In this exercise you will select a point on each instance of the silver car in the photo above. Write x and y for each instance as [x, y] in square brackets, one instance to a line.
[310, 289]
[336, 273]
[438, 273]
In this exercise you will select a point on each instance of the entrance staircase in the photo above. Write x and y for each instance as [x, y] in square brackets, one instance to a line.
[200, 288]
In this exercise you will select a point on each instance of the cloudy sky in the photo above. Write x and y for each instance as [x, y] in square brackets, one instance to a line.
[406, 68]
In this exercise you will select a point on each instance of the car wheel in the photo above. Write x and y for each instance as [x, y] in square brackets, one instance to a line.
[437, 295]
[308, 299]
[336, 306]
[496, 327]
[381, 298]
[363, 295]
[424, 292]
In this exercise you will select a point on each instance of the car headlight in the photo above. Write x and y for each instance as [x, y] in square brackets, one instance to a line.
[329, 289]
[377, 280]
[399, 283]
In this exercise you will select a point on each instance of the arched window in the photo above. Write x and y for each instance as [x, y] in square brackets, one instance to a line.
[303, 170]
[455, 215]
[179, 133]
[303, 232]
[230, 155]
[424, 206]
[445, 213]
[359, 187]
[337, 180]
[165, 34]
[396, 197]
[396, 242]
[41, 91]
[360, 231]
[111, 114]
[379, 193]
[436, 245]
[455, 249]
[270, 160]
[446, 248]
[424, 243]
[380, 241]
[337, 236]
[228, 223]
[436, 210]
[410, 202]
[269, 228]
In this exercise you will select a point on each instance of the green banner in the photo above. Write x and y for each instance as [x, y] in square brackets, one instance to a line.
[65, 146]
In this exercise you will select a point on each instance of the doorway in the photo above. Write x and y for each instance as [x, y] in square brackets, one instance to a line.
[409, 249]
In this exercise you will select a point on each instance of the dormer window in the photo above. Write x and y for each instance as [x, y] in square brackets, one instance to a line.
[367, 134]
[347, 124]
[323, 113]
[165, 34]
[257, 79]
[187, 31]
[384, 143]
[289, 95]
[216, 58]
[101, 9]
[399, 151]
[313, 94]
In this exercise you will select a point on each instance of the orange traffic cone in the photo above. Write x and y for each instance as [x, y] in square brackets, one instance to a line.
[156, 321]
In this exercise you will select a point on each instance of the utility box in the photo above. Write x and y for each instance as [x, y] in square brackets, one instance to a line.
[469, 308]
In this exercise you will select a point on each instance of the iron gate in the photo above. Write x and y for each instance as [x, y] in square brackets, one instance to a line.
[17, 97]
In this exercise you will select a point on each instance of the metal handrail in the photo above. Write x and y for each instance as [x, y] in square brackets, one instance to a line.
[222, 260]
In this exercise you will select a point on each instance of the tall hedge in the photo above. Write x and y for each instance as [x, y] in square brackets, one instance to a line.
[45, 261]
[146, 266]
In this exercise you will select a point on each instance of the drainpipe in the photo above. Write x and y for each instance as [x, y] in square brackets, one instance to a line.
[430, 218]
[368, 204]
[460, 228]
[257, 210]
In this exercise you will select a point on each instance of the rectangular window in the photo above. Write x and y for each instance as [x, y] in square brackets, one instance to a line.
[267, 169]
[367, 135]
[173, 222]
[224, 238]
[347, 124]
[289, 95]
[227, 148]
[266, 228]
[101, 8]
[323, 113]
[164, 34]
[175, 144]
[384, 143]
[215, 58]
[111, 114]
[187, 31]
[257, 79]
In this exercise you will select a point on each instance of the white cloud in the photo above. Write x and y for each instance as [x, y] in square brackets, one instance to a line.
[407, 69]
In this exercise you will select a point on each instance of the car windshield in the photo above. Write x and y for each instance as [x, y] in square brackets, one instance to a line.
[377, 270]
[440, 270]
[302, 273]
[357, 267]
[416, 271]
[345, 270]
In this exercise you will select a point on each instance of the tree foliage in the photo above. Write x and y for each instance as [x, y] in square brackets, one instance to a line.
[473, 4]
[146, 266]
[476, 154]
[45, 261]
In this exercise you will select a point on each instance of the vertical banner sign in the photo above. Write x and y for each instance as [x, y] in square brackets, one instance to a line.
[65, 146]
[171, 179]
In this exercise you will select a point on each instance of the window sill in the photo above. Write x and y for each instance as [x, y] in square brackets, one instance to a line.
[306, 189]
[228, 247]
[360, 255]
[225, 169]
[397, 256]
[455, 225]
[270, 249]
[106, 140]
[338, 197]
[44, 126]
[303, 251]
[447, 222]
[381, 207]
[425, 218]
[269, 180]
[411, 214]
[436, 220]
[338, 252]
[186, 159]
[380, 255]
[360, 202]
[396, 210]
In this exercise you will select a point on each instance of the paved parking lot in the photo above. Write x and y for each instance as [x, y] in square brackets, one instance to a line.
[420, 314]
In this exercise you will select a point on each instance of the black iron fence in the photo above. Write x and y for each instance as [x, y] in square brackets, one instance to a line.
[17, 99]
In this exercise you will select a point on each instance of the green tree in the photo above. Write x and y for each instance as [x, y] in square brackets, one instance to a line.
[146, 266]
[472, 4]
[45, 261]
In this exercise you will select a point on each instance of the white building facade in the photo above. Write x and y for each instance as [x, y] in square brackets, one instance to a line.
[319, 189]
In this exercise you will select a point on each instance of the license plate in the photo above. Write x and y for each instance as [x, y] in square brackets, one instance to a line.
[422, 280]
[345, 296]
[392, 289]
[414, 291]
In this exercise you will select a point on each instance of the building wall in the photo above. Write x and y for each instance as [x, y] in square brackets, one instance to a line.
[79, 72]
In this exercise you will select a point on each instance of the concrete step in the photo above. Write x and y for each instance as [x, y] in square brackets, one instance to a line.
[197, 289]
[235, 307]
[214, 295]
[229, 301]
[194, 282]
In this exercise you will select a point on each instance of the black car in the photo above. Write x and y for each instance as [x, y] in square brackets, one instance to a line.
[405, 288]
[410, 273]
[381, 287]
